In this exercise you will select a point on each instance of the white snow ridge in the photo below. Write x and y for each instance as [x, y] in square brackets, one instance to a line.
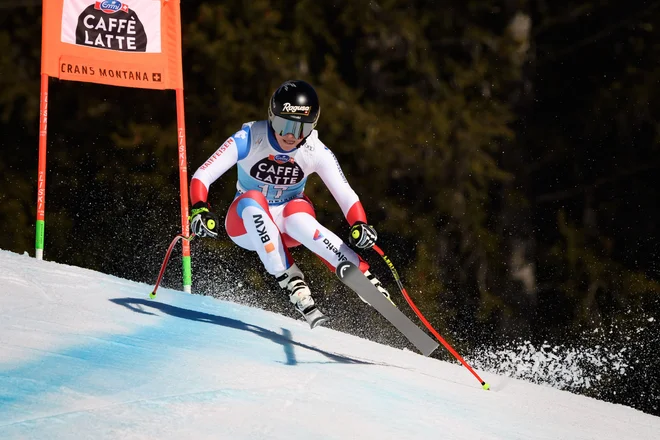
[85, 355]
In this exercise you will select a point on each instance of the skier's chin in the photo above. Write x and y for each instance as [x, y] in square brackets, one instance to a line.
[288, 145]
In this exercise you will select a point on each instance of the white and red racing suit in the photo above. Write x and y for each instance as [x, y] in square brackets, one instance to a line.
[271, 212]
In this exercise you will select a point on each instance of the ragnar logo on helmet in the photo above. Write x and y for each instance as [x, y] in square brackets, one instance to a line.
[302, 109]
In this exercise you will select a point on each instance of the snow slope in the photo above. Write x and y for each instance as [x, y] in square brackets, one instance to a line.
[87, 355]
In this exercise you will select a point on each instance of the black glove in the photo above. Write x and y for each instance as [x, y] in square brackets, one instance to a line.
[203, 223]
[363, 236]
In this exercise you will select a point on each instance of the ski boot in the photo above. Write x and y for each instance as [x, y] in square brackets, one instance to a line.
[292, 280]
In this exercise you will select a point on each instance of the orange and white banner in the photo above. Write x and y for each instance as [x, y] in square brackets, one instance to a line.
[131, 43]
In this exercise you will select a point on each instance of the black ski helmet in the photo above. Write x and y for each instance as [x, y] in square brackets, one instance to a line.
[294, 108]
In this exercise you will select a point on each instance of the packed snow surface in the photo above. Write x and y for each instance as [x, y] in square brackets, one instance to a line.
[84, 355]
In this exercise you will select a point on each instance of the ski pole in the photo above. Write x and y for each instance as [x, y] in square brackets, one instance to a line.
[484, 385]
[152, 295]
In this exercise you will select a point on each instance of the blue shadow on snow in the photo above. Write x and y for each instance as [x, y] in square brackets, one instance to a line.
[136, 304]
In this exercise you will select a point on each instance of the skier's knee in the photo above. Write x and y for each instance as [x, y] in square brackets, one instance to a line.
[299, 206]
[255, 195]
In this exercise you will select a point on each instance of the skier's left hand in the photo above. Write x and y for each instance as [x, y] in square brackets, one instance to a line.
[362, 235]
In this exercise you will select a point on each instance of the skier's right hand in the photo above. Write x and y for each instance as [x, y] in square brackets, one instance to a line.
[203, 223]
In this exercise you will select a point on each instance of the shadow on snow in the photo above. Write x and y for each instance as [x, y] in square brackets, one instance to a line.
[137, 305]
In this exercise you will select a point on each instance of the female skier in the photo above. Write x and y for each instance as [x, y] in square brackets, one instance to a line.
[270, 212]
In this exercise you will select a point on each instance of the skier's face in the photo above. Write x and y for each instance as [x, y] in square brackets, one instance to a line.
[287, 142]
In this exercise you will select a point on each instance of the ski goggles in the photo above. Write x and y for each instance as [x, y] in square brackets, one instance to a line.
[298, 129]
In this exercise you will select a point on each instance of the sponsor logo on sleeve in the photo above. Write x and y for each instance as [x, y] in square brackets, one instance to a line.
[228, 143]
[341, 173]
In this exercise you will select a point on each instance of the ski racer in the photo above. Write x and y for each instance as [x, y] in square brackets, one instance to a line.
[270, 212]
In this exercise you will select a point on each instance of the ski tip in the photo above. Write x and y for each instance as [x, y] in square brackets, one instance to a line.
[342, 267]
[485, 386]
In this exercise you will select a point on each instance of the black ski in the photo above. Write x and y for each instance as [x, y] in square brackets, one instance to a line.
[350, 275]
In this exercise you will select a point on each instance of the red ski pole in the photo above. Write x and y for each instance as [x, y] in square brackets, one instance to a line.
[152, 295]
[484, 385]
